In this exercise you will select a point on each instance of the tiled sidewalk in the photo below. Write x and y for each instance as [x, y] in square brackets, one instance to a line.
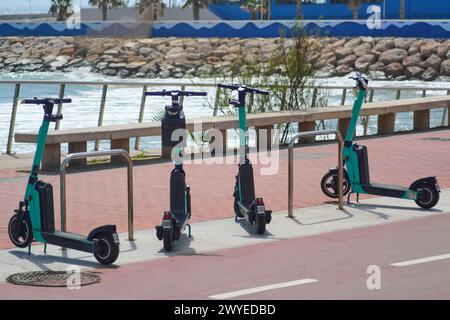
[99, 197]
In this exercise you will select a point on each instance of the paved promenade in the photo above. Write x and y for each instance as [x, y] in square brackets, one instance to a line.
[99, 197]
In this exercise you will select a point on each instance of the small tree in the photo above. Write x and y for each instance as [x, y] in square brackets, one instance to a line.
[142, 5]
[59, 9]
[104, 5]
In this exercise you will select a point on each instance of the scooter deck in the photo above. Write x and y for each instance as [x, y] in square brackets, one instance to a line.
[69, 240]
[385, 190]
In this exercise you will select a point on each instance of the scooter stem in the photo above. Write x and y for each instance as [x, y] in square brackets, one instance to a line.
[242, 128]
[357, 105]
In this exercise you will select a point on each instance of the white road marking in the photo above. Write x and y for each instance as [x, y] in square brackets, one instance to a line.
[421, 260]
[244, 292]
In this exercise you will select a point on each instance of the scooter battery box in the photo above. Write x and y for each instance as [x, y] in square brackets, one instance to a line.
[45, 191]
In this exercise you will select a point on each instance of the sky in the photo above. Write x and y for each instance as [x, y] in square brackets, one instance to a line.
[37, 6]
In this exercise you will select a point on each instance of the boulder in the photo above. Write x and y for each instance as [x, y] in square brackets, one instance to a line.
[353, 43]
[362, 49]
[348, 60]
[59, 62]
[429, 74]
[377, 75]
[394, 69]
[336, 44]
[414, 72]
[413, 60]
[393, 55]
[384, 45]
[145, 51]
[429, 48]
[343, 70]
[413, 50]
[433, 61]
[445, 68]
[403, 43]
[343, 52]
[363, 63]
[442, 50]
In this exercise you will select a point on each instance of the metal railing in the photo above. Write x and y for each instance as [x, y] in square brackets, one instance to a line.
[83, 155]
[147, 85]
[291, 165]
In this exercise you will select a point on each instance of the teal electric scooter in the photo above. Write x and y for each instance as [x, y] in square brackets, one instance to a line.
[34, 219]
[246, 204]
[425, 191]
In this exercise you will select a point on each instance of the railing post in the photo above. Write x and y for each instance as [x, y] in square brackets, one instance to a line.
[12, 122]
[216, 102]
[314, 98]
[141, 116]
[62, 89]
[399, 92]
[344, 95]
[424, 93]
[371, 94]
[446, 114]
[101, 113]
[182, 97]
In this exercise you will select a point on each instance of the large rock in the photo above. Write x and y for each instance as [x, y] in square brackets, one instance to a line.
[362, 49]
[403, 43]
[353, 43]
[393, 55]
[442, 50]
[343, 70]
[433, 61]
[394, 69]
[384, 45]
[343, 52]
[445, 68]
[363, 63]
[59, 62]
[430, 74]
[348, 60]
[429, 48]
[334, 45]
[413, 60]
[414, 72]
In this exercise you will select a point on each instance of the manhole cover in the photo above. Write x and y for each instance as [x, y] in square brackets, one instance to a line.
[437, 139]
[52, 278]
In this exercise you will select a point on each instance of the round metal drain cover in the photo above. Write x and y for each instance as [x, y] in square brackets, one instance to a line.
[53, 278]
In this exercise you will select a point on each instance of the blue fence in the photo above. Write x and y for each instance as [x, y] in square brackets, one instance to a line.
[242, 29]
[286, 10]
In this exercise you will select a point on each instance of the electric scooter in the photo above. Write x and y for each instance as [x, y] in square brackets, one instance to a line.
[246, 204]
[425, 191]
[34, 219]
[175, 220]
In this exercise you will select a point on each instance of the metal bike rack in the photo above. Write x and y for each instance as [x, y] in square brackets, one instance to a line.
[291, 165]
[82, 155]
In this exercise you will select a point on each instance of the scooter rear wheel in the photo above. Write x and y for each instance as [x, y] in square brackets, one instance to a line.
[107, 251]
[168, 240]
[430, 196]
[260, 223]
[23, 238]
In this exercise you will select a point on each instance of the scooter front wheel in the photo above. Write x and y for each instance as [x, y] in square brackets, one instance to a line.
[329, 184]
[107, 251]
[20, 238]
[430, 196]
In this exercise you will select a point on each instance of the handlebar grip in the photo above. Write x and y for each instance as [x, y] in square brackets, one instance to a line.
[46, 101]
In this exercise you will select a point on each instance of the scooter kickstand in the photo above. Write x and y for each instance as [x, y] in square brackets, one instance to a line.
[29, 249]
[357, 198]
[189, 230]
[348, 198]
[45, 248]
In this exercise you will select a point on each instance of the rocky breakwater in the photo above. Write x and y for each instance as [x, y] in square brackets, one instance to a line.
[380, 58]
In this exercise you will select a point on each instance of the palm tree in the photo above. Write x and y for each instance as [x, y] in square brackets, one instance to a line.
[255, 6]
[104, 5]
[142, 5]
[59, 9]
[354, 5]
[196, 6]
[299, 10]
[402, 9]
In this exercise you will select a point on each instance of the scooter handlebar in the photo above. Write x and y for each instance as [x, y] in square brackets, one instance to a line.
[45, 101]
[244, 88]
[361, 81]
[176, 93]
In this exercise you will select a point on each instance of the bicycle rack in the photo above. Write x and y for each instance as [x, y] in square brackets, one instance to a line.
[291, 165]
[82, 155]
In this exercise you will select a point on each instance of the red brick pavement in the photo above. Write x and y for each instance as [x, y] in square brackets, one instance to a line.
[99, 197]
